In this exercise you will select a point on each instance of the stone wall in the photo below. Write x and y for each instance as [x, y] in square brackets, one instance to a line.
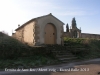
[19, 34]
[86, 35]
[66, 34]
[28, 33]
[83, 35]
[14, 35]
[36, 31]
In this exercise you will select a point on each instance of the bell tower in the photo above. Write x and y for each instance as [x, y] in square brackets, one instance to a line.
[74, 23]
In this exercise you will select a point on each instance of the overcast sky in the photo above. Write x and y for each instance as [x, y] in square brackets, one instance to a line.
[86, 12]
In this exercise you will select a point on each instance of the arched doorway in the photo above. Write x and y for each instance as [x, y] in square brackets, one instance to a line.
[50, 34]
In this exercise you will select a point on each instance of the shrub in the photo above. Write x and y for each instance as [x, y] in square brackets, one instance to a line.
[10, 47]
[83, 48]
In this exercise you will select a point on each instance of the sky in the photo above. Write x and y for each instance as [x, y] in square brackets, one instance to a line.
[86, 13]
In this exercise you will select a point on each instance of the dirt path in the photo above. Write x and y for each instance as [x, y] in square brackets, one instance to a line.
[90, 69]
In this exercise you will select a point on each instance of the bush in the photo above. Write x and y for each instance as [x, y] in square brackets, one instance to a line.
[83, 48]
[11, 48]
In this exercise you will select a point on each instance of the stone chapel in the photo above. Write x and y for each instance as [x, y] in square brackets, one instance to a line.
[48, 29]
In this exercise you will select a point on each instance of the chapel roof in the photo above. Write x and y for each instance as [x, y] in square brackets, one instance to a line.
[36, 19]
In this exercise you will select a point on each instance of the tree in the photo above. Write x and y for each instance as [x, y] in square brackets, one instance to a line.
[74, 23]
[67, 28]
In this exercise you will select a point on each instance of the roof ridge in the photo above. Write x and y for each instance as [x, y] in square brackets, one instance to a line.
[35, 19]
